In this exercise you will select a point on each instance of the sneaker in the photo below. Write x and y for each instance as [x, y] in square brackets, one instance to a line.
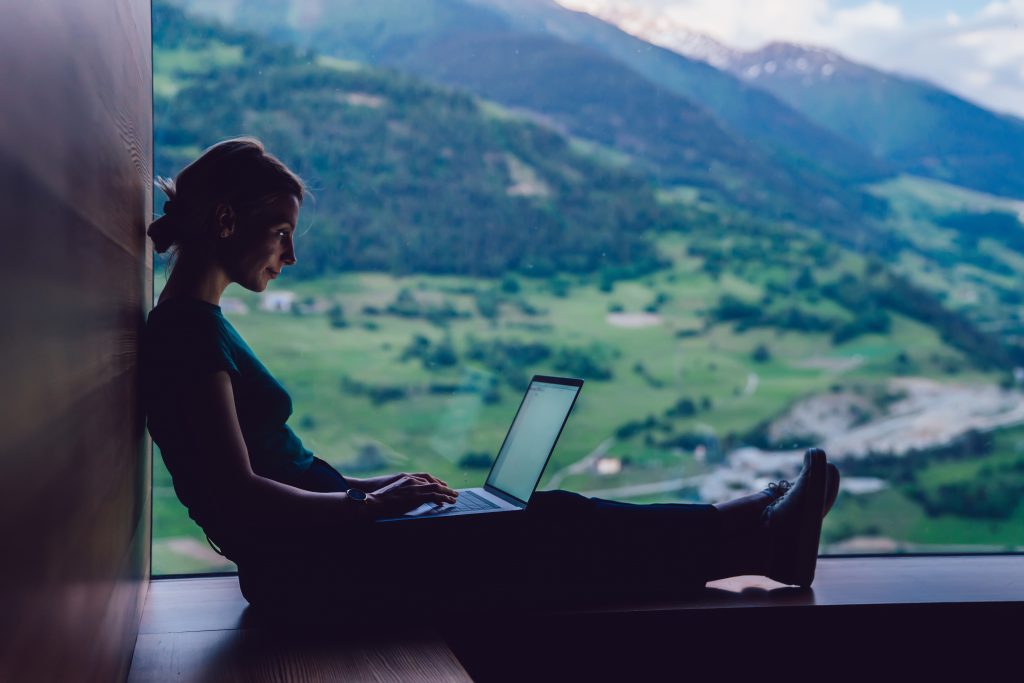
[793, 523]
[777, 489]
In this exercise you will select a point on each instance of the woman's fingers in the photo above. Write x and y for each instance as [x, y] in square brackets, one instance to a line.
[411, 491]
[434, 487]
[402, 482]
[426, 476]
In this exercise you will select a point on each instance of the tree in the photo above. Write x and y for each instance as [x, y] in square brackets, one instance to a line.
[336, 317]
[761, 354]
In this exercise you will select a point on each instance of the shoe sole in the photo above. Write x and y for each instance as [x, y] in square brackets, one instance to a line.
[810, 529]
[832, 479]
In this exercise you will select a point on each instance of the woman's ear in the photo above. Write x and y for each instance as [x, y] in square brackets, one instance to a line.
[225, 220]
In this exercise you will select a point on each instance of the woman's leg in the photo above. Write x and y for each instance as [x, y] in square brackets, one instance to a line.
[563, 542]
[783, 543]
[678, 544]
[563, 546]
[625, 547]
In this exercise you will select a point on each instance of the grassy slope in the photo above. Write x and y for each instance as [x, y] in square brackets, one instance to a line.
[431, 432]
[983, 285]
[892, 513]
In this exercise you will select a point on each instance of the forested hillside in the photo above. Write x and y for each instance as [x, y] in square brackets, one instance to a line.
[406, 177]
[682, 122]
[412, 178]
[454, 245]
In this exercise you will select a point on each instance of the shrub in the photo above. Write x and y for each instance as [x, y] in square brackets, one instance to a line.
[733, 308]
[336, 317]
[684, 407]
[475, 461]
[509, 285]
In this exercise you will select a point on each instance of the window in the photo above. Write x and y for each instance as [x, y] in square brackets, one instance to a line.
[743, 250]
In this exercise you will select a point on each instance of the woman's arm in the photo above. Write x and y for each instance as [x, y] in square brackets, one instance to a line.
[371, 484]
[245, 498]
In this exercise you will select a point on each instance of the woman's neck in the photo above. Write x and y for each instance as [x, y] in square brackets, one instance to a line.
[195, 280]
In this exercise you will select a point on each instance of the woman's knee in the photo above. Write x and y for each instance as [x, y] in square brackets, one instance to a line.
[558, 503]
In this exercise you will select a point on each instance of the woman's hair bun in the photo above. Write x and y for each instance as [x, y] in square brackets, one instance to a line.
[164, 232]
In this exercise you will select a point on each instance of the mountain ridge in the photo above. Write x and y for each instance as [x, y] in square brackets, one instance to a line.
[916, 125]
[766, 175]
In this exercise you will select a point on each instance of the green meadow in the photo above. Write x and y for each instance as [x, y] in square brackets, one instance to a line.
[381, 382]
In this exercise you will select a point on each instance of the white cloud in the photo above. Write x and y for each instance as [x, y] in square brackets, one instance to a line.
[873, 16]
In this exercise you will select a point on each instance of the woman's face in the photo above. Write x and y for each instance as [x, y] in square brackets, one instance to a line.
[263, 244]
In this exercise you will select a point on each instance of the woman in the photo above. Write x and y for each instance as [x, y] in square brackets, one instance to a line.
[302, 532]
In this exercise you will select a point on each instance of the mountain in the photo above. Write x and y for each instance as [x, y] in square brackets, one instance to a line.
[592, 80]
[921, 128]
[405, 176]
[770, 124]
[916, 126]
[658, 29]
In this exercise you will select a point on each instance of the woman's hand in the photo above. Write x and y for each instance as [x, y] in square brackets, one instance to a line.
[408, 492]
[371, 484]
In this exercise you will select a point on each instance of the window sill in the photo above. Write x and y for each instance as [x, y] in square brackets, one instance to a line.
[919, 614]
[201, 602]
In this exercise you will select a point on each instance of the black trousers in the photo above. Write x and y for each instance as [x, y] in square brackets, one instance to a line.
[564, 546]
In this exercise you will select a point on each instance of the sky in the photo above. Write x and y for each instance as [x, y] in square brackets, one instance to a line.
[975, 48]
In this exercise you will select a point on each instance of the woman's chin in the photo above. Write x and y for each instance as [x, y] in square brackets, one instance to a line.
[258, 286]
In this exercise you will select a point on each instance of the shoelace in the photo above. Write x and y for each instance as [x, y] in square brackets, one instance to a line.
[779, 489]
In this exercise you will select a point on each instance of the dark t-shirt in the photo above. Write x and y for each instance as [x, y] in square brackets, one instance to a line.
[183, 339]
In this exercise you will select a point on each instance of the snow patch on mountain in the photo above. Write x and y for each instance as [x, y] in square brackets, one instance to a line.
[658, 28]
[776, 60]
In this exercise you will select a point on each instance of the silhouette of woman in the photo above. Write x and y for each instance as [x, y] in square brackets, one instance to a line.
[302, 533]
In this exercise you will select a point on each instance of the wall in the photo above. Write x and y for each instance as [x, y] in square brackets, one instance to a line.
[75, 285]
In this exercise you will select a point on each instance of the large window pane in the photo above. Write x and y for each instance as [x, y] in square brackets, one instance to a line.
[743, 251]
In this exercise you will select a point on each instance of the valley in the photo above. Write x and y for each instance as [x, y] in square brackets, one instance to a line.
[733, 288]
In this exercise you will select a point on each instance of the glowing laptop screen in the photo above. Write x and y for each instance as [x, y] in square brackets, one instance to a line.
[531, 438]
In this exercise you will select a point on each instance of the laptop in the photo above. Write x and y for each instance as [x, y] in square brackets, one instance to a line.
[524, 454]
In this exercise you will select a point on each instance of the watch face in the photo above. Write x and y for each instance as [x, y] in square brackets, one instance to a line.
[356, 494]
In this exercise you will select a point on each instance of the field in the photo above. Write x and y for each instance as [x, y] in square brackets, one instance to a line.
[425, 373]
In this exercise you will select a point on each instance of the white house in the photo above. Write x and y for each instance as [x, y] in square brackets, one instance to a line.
[279, 302]
[233, 306]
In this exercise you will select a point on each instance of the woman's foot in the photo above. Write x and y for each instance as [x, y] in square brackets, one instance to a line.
[793, 522]
[777, 489]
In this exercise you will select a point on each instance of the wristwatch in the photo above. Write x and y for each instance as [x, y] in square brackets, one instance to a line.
[359, 498]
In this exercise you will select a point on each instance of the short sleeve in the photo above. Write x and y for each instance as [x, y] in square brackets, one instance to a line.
[181, 345]
[204, 347]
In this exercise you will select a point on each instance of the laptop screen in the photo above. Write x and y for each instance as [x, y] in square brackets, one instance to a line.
[532, 437]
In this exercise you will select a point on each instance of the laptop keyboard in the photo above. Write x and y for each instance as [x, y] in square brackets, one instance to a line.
[466, 502]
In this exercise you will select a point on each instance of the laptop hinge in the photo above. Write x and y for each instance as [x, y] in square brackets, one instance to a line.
[498, 493]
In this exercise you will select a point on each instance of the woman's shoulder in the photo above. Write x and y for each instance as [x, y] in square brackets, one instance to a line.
[187, 331]
[178, 319]
[175, 313]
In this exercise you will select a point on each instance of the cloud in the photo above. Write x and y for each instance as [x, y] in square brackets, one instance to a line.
[981, 57]
[875, 16]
